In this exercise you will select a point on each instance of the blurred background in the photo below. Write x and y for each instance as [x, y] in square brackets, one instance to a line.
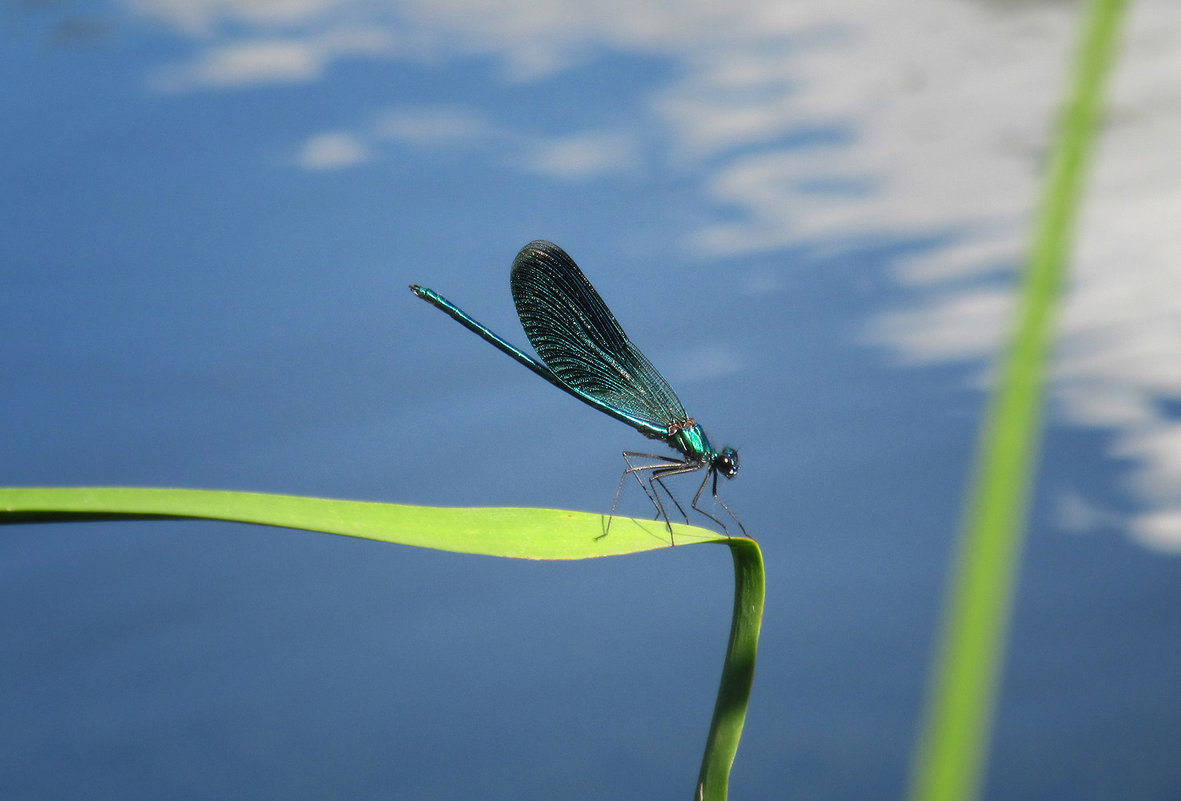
[807, 214]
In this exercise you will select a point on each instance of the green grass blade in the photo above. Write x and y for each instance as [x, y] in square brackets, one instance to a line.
[738, 671]
[954, 744]
[515, 533]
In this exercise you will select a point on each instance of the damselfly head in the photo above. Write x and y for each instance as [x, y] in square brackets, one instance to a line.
[726, 462]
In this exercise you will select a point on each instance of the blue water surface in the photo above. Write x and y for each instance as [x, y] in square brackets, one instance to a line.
[186, 307]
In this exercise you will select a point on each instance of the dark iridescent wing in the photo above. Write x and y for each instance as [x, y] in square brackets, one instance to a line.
[578, 338]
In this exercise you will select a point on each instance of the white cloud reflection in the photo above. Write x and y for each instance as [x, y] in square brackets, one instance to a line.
[269, 60]
[582, 156]
[203, 17]
[332, 151]
[825, 123]
[434, 127]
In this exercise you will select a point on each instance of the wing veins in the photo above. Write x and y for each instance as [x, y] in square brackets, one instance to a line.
[578, 337]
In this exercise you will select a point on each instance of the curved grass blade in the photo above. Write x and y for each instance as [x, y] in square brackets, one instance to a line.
[513, 533]
[508, 532]
[725, 730]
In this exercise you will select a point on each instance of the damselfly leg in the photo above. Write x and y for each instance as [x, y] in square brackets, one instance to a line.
[666, 467]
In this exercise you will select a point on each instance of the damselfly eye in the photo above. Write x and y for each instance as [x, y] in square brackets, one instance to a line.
[727, 462]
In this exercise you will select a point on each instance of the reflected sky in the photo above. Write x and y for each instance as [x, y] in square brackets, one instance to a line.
[784, 126]
[808, 216]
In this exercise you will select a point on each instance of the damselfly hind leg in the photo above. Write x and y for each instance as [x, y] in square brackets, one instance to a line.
[666, 467]
[663, 465]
